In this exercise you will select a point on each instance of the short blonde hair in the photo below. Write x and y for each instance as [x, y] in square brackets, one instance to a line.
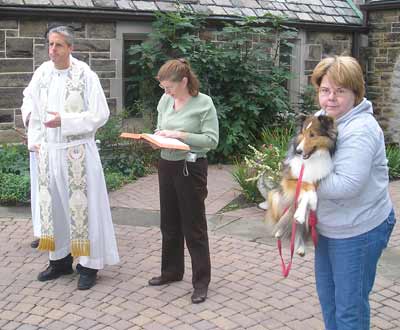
[344, 71]
[176, 70]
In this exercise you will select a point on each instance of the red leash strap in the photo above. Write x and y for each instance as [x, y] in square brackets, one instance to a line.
[286, 269]
[312, 221]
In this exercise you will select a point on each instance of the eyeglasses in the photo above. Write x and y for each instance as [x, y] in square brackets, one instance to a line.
[168, 88]
[324, 91]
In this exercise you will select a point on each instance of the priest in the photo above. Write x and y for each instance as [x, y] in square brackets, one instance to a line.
[68, 106]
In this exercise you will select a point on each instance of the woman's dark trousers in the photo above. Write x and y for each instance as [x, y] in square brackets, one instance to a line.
[183, 218]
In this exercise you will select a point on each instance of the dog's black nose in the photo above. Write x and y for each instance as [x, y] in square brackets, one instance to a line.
[298, 151]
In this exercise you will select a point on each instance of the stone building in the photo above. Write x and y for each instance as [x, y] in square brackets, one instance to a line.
[383, 63]
[105, 28]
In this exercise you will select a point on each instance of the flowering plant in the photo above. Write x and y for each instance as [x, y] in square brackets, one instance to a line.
[266, 164]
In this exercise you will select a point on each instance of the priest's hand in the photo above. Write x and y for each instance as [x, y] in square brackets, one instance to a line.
[35, 148]
[55, 121]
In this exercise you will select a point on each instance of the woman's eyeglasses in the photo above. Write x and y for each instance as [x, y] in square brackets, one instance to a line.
[167, 89]
[324, 91]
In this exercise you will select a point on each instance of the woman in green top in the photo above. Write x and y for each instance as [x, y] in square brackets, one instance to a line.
[190, 116]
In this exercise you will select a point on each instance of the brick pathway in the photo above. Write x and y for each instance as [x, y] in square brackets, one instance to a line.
[247, 290]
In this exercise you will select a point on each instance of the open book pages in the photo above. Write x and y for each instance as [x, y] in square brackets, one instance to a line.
[160, 141]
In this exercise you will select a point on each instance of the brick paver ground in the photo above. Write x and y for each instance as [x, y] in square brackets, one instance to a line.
[247, 290]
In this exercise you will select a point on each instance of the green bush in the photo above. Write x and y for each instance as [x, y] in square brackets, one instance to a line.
[14, 158]
[245, 77]
[14, 188]
[115, 180]
[393, 156]
[241, 174]
[123, 161]
[14, 174]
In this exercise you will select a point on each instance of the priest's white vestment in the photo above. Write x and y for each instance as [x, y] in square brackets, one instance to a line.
[50, 91]
[26, 110]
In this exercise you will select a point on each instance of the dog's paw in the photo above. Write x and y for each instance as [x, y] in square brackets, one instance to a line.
[300, 216]
[301, 251]
[263, 205]
[312, 200]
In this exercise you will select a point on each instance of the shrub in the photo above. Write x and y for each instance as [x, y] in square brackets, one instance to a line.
[115, 180]
[14, 158]
[14, 174]
[123, 161]
[249, 189]
[14, 188]
[393, 156]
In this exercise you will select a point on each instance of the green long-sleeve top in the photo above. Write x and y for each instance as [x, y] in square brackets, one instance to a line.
[198, 118]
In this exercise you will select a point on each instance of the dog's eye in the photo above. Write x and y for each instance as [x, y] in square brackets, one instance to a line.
[312, 134]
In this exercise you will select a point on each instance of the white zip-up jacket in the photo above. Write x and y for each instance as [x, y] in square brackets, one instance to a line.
[354, 198]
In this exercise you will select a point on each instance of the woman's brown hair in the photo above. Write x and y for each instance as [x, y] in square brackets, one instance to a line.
[176, 70]
[344, 71]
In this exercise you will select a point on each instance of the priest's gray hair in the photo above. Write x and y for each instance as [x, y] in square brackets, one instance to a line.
[66, 31]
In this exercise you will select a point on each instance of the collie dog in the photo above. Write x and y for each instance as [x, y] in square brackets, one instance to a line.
[313, 147]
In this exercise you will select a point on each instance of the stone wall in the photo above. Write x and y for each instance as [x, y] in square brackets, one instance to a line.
[23, 48]
[322, 44]
[383, 70]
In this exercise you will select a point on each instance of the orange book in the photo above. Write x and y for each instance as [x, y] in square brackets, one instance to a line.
[159, 141]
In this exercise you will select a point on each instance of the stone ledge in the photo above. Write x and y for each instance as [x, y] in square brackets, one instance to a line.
[8, 135]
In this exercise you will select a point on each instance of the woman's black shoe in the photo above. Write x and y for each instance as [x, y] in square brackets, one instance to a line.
[199, 295]
[159, 280]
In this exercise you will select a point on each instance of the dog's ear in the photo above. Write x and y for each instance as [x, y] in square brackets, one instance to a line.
[328, 126]
[327, 122]
[308, 122]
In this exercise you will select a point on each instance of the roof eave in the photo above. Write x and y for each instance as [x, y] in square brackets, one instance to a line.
[381, 5]
[112, 15]
[314, 26]
[62, 12]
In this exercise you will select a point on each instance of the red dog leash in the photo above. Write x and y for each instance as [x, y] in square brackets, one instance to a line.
[312, 221]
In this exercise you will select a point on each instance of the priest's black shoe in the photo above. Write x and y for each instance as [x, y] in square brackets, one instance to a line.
[199, 295]
[87, 277]
[35, 243]
[159, 280]
[56, 269]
